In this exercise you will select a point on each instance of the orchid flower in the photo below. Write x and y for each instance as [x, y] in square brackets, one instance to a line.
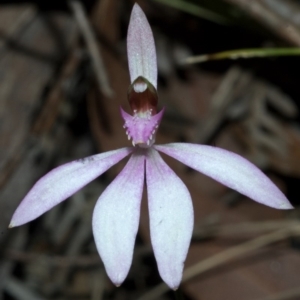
[117, 212]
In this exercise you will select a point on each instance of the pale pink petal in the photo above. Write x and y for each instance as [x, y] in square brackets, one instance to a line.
[62, 182]
[141, 48]
[171, 218]
[231, 170]
[116, 218]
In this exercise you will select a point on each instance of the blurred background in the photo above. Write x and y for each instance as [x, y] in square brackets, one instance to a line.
[63, 77]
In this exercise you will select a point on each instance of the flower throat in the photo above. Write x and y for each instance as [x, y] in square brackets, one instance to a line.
[142, 97]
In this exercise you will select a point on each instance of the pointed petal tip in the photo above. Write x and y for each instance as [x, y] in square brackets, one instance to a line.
[118, 282]
[16, 221]
[286, 205]
[137, 12]
[136, 8]
[172, 283]
[118, 277]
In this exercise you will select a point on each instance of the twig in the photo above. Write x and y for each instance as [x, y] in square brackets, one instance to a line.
[59, 261]
[93, 47]
[242, 228]
[279, 25]
[233, 83]
[20, 23]
[98, 284]
[46, 118]
[225, 256]
[18, 290]
[242, 53]
[196, 10]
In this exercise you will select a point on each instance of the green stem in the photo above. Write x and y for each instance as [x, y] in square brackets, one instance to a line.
[195, 10]
[243, 53]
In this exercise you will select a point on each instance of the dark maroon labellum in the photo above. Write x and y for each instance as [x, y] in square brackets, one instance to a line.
[144, 101]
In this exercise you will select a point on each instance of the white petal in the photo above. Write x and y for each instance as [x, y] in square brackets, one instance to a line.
[141, 48]
[171, 218]
[62, 182]
[116, 218]
[231, 170]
